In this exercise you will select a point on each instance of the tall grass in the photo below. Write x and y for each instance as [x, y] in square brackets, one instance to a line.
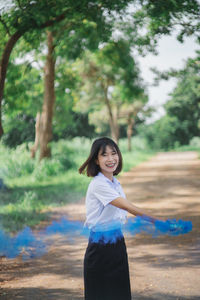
[33, 187]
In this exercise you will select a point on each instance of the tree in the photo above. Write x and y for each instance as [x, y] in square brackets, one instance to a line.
[184, 104]
[26, 18]
[22, 99]
[24, 93]
[109, 77]
[22, 17]
[182, 120]
[129, 113]
[44, 121]
[162, 17]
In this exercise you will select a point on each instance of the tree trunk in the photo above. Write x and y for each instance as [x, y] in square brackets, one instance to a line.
[3, 69]
[130, 124]
[49, 99]
[114, 128]
[116, 125]
[37, 135]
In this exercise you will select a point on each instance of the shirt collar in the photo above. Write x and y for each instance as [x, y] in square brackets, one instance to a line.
[115, 181]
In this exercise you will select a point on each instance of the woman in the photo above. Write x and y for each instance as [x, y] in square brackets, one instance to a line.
[106, 271]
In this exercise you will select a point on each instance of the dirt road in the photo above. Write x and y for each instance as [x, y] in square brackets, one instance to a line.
[160, 268]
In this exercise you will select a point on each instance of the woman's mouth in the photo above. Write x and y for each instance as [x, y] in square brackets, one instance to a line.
[110, 165]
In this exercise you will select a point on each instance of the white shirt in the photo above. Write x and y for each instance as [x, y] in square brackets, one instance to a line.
[99, 212]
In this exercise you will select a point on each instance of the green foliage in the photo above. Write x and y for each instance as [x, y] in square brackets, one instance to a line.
[162, 17]
[108, 79]
[24, 89]
[123, 68]
[75, 26]
[161, 134]
[27, 97]
[25, 209]
[138, 144]
[20, 164]
[182, 120]
[140, 152]
[195, 142]
[19, 129]
[29, 197]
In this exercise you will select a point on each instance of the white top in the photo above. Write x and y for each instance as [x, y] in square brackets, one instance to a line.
[99, 212]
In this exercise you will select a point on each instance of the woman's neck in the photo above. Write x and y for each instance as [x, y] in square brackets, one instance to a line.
[108, 175]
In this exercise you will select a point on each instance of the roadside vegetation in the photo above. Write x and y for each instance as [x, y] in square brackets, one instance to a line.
[32, 188]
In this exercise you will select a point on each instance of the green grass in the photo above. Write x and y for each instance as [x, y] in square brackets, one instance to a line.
[34, 188]
[27, 202]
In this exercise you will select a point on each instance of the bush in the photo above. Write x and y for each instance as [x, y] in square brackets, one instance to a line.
[195, 142]
[18, 162]
[137, 142]
[18, 129]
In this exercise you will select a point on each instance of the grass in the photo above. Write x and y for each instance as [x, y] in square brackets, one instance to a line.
[33, 188]
[27, 202]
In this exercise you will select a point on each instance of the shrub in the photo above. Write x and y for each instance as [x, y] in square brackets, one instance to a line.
[195, 142]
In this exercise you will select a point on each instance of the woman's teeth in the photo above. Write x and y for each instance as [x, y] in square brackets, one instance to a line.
[111, 165]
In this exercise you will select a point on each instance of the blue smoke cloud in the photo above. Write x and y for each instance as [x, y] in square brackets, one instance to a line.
[169, 227]
[24, 243]
[30, 245]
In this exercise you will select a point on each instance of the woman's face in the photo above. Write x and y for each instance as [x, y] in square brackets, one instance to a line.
[108, 161]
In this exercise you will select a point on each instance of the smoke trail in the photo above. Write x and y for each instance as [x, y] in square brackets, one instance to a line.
[169, 227]
[30, 245]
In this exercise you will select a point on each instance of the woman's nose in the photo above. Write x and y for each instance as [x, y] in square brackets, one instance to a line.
[110, 158]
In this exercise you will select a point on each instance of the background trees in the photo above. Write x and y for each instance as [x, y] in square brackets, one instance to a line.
[27, 18]
[112, 31]
[108, 78]
[182, 120]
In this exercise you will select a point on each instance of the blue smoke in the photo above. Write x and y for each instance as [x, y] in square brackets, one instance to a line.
[169, 227]
[30, 245]
[24, 243]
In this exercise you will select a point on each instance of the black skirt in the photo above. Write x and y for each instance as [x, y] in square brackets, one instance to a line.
[106, 271]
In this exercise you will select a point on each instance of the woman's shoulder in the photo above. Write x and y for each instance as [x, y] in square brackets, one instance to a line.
[94, 186]
[98, 181]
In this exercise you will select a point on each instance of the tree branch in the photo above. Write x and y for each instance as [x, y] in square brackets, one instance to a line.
[51, 22]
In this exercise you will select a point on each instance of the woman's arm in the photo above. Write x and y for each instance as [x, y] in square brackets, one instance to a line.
[134, 210]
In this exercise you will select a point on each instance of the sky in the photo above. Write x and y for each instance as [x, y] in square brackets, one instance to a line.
[171, 53]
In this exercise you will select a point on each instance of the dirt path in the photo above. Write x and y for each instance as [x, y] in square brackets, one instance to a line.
[160, 268]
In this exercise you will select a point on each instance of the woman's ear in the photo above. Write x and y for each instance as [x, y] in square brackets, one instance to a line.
[97, 162]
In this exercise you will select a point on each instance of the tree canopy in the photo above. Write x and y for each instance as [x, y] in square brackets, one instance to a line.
[182, 120]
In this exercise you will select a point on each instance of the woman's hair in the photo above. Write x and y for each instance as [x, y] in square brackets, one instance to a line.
[90, 166]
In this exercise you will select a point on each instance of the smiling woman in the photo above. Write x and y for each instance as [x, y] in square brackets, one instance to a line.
[106, 271]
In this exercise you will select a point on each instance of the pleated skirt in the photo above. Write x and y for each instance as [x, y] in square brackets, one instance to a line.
[106, 270]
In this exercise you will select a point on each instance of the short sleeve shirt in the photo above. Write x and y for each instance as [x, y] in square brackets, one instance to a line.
[101, 191]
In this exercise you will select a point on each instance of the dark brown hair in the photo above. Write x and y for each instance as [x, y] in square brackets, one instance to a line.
[90, 166]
